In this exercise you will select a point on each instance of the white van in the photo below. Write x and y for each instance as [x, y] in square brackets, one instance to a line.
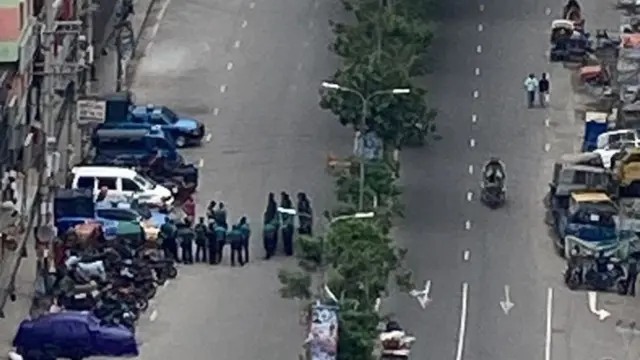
[120, 182]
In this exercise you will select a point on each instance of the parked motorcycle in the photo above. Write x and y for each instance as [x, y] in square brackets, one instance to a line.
[586, 272]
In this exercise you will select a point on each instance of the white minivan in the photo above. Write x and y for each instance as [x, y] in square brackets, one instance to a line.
[120, 182]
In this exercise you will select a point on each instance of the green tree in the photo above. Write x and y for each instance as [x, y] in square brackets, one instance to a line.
[393, 117]
[359, 260]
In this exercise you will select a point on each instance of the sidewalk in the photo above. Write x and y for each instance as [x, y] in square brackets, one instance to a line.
[25, 282]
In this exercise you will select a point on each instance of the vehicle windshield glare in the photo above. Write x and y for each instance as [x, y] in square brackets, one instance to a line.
[144, 182]
[169, 115]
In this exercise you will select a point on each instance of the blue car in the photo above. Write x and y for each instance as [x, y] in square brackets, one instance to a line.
[183, 130]
[72, 335]
[133, 211]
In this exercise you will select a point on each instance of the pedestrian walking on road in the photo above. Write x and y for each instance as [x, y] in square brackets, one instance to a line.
[234, 238]
[243, 224]
[531, 86]
[201, 240]
[543, 90]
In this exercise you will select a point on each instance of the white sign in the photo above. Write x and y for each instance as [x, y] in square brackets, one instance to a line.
[91, 111]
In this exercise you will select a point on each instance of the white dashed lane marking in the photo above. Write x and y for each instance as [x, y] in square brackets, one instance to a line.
[223, 88]
[474, 118]
[244, 24]
[252, 5]
[476, 94]
[467, 225]
[547, 11]
[481, 7]
[547, 122]
[469, 196]
[479, 49]
[477, 71]
[236, 44]
[208, 137]
[466, 255]
[470, 169]
[229, 65]
[480, 27]
[216, 111]
[154, 315]
[472, 142]
[547, 147]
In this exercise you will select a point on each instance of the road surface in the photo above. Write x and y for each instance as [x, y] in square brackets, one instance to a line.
[251, 71]
[470, 253]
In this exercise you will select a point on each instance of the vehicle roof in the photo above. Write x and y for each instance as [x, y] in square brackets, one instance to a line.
[578, 157]
[585, 168]
[596, 116]
[562, 23]
[590, 197]
[106, 171]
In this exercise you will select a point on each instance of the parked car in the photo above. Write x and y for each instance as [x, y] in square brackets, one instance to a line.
[121, 183]
[183, 131]
[73, 335]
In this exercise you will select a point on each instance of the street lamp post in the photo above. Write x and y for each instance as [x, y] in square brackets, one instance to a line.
[363, 121]
[332, 221]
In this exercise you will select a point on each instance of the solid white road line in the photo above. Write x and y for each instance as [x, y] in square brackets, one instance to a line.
[547, 335]
[462, 330]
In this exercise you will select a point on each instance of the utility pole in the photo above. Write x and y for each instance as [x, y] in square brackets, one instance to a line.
[64, 45]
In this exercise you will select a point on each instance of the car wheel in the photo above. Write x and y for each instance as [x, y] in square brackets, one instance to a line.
[181, 141]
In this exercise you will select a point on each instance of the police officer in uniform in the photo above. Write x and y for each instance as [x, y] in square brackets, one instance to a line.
[221, 239]
[234, 238]
[168, 234]
[270, 237]
[201, 240]
[212, 243]
[187, 236]
[245, 230]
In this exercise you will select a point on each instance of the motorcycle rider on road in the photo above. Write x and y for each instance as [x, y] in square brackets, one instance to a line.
[494, 171]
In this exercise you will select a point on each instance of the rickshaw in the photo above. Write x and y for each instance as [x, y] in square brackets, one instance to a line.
[588, 223]
[626, 171]
[595, 75]
[595, 123]
[561, 30]
[628, 115]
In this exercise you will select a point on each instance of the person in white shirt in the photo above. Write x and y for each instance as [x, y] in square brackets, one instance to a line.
[531, 86]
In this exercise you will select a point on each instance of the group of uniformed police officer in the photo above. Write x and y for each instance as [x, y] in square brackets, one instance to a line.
[211, 236]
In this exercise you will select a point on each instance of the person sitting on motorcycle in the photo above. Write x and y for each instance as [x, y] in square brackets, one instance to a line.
[494, 172]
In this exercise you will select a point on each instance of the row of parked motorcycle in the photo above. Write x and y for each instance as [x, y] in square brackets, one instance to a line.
[100, 290]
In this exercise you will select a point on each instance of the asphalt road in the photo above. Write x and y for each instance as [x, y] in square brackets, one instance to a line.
[470, 253]
[251, 71]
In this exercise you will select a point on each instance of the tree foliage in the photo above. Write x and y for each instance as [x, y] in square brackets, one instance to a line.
[384, 49]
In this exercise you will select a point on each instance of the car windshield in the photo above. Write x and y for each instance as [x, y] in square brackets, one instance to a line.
[144, 182]
[169, 115]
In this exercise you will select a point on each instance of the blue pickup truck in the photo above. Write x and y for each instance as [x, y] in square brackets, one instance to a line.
[184, 131]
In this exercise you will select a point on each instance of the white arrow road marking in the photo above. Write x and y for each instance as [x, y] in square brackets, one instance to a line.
[506, 304]
[423, 295]
[547, 335]
[592, 298]
[462, 330]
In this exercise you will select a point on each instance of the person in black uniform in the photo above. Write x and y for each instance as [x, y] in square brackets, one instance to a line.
[201, 240]
[212, 243]
[187, 236]
[235, 239]
[305, 215]
[287, 224]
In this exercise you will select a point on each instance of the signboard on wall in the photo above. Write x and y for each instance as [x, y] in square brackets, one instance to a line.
[91, 110]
